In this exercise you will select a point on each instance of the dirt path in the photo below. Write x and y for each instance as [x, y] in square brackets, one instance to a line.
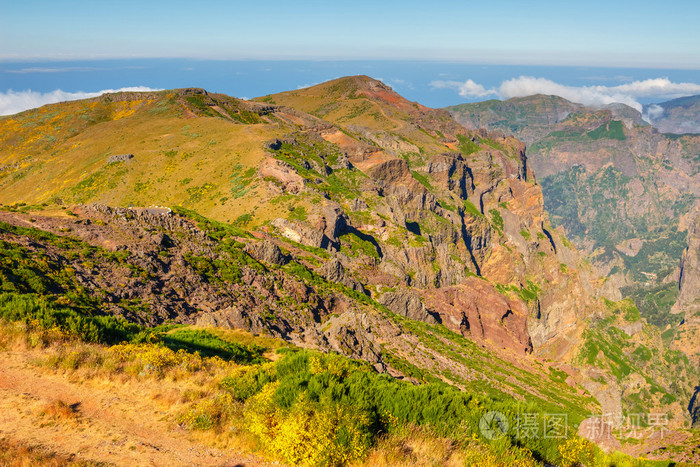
[114, 422]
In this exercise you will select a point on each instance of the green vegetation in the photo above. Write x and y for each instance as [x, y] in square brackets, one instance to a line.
[528, 293]
[358, 245]
[198, 103]
[297, 213]
[422, 178]
[307, 384]
[209, 345]
[587, 206]
[624, 308]
[467, 146]
[611, 130]
[607, 346]
[472, 210]
[497, 220]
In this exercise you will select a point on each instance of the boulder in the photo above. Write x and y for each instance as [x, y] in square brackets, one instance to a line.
[119, 158]
[268, 252]
[351, 334]
[334, 271]
[407, 303]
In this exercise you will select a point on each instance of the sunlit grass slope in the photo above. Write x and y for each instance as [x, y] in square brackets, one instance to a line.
[187, 151]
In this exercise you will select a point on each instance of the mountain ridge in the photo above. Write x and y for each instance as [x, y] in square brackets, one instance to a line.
[426, 244]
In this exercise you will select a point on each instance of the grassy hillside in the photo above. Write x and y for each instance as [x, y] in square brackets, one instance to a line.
[185, 153]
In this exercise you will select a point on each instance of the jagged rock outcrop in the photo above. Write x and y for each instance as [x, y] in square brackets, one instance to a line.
[334, 271]
[687, 337]
[283, 174]
[476, 310]
[268, 252]
[351, 334]
[407, 303]
[301, 233]
[689, 282]
[621, 189]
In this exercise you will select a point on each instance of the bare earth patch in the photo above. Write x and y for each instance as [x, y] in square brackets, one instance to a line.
[116, 422]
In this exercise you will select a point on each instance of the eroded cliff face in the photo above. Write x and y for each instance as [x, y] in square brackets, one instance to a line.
[464, 205]
[687, 337]
[151, 266]
[622, 190]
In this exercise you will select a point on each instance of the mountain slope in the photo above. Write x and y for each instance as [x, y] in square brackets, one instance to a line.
[372, 226]
[677, 116]
[555, 292]
[308, 186]
[621, 190]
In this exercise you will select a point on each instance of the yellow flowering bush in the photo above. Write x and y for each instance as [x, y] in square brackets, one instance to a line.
[207, 414]
[307, 434]
[158, 358]
[577, 451]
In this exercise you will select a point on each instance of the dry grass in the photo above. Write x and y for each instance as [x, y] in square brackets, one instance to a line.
[60, 410]
[414, 446]
[336, 101]
[418, 446]
[19, 336]
[14, 454]
[188, 161]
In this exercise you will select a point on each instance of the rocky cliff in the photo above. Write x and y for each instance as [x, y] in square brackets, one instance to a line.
[687, 337]
[622, 191]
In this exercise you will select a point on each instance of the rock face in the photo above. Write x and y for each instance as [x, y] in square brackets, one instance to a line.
[407, 303]
[334, 271]
[476, 310]
[268, 252]
[687, 338]
[351, 333]
[689, 283]
[620, 189]
[694, 408]
[119, 158]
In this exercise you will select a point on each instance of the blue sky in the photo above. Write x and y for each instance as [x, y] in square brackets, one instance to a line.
[441, 53]
[623, 33]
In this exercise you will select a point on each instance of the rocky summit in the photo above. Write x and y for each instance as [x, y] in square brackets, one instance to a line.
[347, 220]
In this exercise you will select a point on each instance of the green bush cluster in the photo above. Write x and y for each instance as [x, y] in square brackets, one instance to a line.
[382, 403]
[209, 345]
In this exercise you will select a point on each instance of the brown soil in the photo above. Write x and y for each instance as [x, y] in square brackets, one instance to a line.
[114, 422]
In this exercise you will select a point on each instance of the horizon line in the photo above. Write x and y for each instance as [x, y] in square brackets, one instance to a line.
[455, 61]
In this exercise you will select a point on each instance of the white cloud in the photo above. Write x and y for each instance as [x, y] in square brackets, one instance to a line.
[70, 69]
[465, 89]
[595, 96]
[12, 102]
[653, 112]
[588, 95]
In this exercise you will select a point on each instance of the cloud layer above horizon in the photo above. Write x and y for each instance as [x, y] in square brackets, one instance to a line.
[12, 102]
[595, 96]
